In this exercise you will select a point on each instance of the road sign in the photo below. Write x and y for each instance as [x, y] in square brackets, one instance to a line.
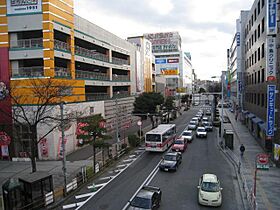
[262, 161]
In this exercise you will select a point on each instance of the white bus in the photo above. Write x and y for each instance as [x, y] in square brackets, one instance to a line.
[160, 138]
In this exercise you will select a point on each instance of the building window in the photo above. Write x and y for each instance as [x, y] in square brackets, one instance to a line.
[255, 35]
[249, 25]
[91, 110]
[252, 77]
[263, 77]
[259, 76]
[265, 99]
[255, 14]
[258, 99]
[253, 59]
[252, 40]
[259, 7]
[263, 50]
[255, 98]
[259, 53]
[263, 2]
[255, 77]
[259, 30]
[263, 25]
[262, 101]
[252, 20]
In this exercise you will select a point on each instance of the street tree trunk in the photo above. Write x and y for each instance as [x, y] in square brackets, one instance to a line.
[94, 151]
[33, 148]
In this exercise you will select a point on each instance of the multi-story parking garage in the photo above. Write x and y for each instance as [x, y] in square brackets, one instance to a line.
[45, 39]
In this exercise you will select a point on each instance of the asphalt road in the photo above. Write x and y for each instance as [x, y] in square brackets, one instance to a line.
[179, 188]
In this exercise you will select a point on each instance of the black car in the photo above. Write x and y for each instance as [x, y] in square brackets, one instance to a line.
[148, 198]
[171, 161]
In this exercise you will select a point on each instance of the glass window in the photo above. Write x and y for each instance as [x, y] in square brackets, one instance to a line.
[153, 137]
[210, 187]
[263, 25]
[143, 203]
[262, 50]
[263, 76]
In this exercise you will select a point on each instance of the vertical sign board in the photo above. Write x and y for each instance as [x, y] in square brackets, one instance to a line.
[270, 110]
[271, 17]
[271, 58]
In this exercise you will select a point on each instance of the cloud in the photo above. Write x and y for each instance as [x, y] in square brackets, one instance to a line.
[206, 27]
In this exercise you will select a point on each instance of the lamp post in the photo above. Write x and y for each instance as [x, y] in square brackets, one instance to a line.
[117, 120]
[63, 146]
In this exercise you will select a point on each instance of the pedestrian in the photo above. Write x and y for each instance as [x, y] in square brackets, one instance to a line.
[242, 149]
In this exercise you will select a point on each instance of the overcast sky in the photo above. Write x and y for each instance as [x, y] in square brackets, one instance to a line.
[207, 27]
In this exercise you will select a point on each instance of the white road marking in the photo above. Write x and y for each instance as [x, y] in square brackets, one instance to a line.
[121, 165]
[96, 185]
[70, 206]
[83, 195]
[107, 177]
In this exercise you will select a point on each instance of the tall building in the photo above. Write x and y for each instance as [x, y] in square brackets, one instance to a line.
[171, 61]
[44, 39]
[261, 81]
[236, 62]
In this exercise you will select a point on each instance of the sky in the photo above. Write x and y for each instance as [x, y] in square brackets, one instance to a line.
[207, 27]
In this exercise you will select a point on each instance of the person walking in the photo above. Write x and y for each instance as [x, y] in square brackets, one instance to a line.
[242, 149]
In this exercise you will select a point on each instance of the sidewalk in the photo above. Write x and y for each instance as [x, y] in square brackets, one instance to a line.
[267, 187]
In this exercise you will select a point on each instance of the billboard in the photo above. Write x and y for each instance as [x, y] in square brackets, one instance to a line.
[270, 110]
[23, 6]
[164, 42]
[169, 71]
[271, 59]
[271, 17]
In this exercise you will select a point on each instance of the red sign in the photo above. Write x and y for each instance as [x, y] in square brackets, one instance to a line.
[262, 158]
[44, 149]
[173, 60]
[5, 139]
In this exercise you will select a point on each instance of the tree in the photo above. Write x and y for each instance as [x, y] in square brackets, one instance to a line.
[146, 105]
[93, 130]
[185, 98]
[169, 104]
[44, 95]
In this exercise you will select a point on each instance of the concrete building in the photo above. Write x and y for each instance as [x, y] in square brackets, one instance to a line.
[45, 39]
[261, 100]
[236, 61]
[171, 62]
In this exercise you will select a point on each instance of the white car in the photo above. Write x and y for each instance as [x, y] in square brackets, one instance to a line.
[201, 132]
[192, 125]
[205, 119]
[188, 135]
[209, 190]
[196, 120]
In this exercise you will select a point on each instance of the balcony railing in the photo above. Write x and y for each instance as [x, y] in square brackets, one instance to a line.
[92, 75]
[34, 71]
[119, 61]
[123, 78]
[121, 94]
[91, 54]
[62, 72]
[59, 45]
[97, 96]
[27, 43]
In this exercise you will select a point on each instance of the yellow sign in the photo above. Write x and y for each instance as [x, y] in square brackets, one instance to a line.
[170, 72]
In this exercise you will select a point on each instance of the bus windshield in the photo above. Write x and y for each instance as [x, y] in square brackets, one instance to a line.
[153, 137]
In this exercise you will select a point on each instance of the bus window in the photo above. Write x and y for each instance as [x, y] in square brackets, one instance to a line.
[153, 137]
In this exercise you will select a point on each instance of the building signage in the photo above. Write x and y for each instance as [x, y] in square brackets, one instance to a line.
[271, 59]
[44, 148]
[270, 110]
[271, 17]
[160, 61]
[173, 60]
[262, 161]
[169, 71]
[238, 39]
[23, 6]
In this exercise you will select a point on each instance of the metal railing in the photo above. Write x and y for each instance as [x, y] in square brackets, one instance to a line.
[124, 78]
[59, 45]
[92, 75]
[97, 96]
[91, 54]
[120, 61]
[27, 43]
[62, 72]
[120, 94]
[34, 71]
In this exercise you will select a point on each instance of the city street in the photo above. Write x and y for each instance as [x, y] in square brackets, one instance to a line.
[179, 188]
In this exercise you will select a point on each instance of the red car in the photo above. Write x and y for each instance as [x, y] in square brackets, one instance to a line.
[179, 145]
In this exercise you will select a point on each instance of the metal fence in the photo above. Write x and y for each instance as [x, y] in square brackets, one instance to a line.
[34, 71]
[119, 61]
[92, 75]
[124, 78]
[97, 96]
[27, 43]
[91, 54]
[62, 72]
[59, 45]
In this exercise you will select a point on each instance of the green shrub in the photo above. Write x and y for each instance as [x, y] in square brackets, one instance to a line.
[133, 140]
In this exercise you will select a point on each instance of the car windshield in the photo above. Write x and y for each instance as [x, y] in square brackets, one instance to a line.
[201, 130]
[170, 157]
[192, 123]
[178, 142]
[187, 134]
[206, 123]
[144, 203]
[210, 187]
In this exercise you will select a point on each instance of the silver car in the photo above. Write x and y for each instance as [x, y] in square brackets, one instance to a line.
[188, 135]
[201, 132]
[192, 125]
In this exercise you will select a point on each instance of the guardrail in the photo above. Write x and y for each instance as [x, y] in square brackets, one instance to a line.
[97, 96]
[62, 72]
[59, 45]
[92, 75]
[91, 54]
[119, 61]
[124, 78]
[34, 71]
[26, 43]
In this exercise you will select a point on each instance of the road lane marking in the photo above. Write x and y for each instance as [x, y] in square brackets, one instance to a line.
[83, 195]
[70, 206]
[107, 177]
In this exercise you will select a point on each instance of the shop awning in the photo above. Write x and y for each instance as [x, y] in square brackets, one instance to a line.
[251, 115]
[263, 126]
[257, 120]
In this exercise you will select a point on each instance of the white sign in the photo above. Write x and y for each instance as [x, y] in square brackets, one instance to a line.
[23, 6]
[271, 59]
[5, 150]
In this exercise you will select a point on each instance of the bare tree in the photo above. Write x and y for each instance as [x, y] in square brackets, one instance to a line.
[34, 105]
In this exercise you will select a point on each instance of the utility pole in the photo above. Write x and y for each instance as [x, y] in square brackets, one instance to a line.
[63, 147]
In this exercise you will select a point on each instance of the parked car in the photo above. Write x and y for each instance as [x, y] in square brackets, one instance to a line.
[179, 145]
[209, 190]
[199, 116]
[192, 125]
[188, 135]
[201, 132]
[171, 161]
[207, 125]
[149, 197]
